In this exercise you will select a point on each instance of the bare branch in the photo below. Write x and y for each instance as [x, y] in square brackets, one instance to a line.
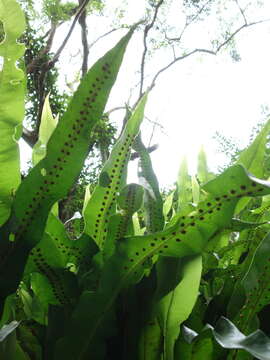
[61, 48]
[115, 109]
[241, 11]
[32, 66]
[102, 36]
[146, 31]
[82, 22]
[193, 19]
[207, 51]
[29, 137]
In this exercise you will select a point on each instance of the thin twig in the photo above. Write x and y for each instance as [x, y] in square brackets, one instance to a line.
[115, 109]
[152, 134]
[102, 36]
[146, 31]
[61, 48]
[195, 17]
[207, 51]
[82, 22]
[241, 11]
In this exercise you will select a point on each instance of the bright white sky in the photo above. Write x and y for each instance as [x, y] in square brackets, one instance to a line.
[195, 98]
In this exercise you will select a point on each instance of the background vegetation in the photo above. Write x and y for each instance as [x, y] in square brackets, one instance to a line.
[93, 267]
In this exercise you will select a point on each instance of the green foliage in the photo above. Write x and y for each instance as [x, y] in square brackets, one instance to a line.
[120, 282]
[56, 11]
[12, 95]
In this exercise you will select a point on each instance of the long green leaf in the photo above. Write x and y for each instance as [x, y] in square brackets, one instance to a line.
[47, 125]
[184, 185]
[178, 291]
[54, 175]
[153, 203]
[11, 103]
[253, 157]
[256, 285]
[187, 237]
[112, 178]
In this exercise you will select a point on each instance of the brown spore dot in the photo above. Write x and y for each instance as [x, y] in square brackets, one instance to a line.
[201, 218]
[200, 210]
[243, 187]
[192, 224]
[253, 184]
[233, 191]
[152, 244]
[137, 253]
[178, 240]
[225, 196]
[218, 208]
[249, 193]
[208, 204]
[217, 198]
[183, 231]
[144, 249]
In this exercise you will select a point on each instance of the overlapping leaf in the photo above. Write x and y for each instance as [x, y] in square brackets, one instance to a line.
[54, 175]
[112, 178]
[11, 103]
[188, 236]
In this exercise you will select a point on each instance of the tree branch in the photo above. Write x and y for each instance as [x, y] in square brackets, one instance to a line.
[207, 51]
[61, 48]
[194, 18]
[146, 31]
[29, 137]
[241, 11]
[35, 62]
[102, 36]
[82, 22]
